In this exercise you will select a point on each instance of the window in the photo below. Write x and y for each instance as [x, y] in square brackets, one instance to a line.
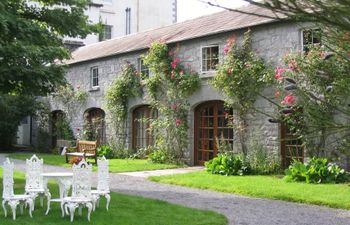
[311, 37]
[106, 33]
[94, 77]
[210, 58]
[127, 21]
[142, 69]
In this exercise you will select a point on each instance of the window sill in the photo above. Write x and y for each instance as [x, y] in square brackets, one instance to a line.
[93, 89]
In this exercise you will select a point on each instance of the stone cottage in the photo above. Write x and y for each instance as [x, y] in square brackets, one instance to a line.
[200, 42]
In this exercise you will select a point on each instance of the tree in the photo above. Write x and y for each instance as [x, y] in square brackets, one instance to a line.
[314, 85]
[31, 52]
[31, 42]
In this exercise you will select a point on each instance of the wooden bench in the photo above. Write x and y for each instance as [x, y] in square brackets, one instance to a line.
[83, 149]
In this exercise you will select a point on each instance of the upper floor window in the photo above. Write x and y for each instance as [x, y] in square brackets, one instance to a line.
[127, 21]
[311, 37]
[210, 58]
[94, 77]
[142, 69]
[106, 33]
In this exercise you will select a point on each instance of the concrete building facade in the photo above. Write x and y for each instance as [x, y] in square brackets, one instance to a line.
[124, 17]
[272, 39]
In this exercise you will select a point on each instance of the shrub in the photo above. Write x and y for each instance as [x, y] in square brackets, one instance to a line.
[227, 164]
[159, 156]
[317, 170]
[122, 154]
[105, 151]
[261, 160]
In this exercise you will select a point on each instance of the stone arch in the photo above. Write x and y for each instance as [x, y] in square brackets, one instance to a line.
[94, 125]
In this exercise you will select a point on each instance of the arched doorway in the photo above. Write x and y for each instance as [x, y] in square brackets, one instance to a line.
[142, 137]
[210, 125]
[94, 125]
[60, 127]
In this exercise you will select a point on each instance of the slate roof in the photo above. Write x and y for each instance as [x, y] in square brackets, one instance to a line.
[220, 22]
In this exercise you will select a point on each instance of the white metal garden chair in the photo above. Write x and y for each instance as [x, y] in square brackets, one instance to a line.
[102, 183]
[8, 196]
[34, 180]
[81, 191]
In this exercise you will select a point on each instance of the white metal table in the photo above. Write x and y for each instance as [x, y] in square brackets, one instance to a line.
[64, 180]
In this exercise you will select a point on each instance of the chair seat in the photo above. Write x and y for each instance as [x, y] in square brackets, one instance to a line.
[38, 190]
[77, 200]
[79, 154]
[98, 192]
[18, 197]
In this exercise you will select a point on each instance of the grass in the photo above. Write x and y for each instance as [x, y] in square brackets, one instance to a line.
[331, 195]
[115, 165]
[124, 210]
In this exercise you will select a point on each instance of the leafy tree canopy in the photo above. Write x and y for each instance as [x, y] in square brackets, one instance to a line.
[31, 43]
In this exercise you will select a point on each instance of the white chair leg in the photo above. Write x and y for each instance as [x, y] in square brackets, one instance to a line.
[62, 208]
[48, 206]
[89, 207]
[71, 211]
[30, 202]
[13, 205]
[108, 198]
[4, 207]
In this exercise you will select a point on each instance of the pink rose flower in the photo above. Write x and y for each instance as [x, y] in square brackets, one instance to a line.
[174, 63]
[289, 100]
[278, 76]
[226, 49]
[178, 121]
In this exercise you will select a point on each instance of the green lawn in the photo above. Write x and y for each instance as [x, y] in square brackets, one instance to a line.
[115, 165]
[124, 210]
[332, 195]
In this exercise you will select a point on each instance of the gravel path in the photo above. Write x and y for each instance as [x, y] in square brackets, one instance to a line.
[239, 210]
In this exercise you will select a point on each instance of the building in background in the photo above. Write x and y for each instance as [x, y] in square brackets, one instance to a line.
[124, 17]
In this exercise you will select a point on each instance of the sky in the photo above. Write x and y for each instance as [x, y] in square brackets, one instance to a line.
[189, 9]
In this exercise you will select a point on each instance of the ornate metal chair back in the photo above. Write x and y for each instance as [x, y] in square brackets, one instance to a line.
[81, 187]
[34, 169]
[7, 181]
[102, 175]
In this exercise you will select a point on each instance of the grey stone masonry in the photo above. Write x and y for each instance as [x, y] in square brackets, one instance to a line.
[271, 41]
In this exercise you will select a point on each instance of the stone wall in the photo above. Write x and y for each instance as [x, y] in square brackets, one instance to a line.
[271, 41]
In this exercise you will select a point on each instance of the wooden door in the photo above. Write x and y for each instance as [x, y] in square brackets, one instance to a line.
[211, 125]
[142, 137]
[291, 146]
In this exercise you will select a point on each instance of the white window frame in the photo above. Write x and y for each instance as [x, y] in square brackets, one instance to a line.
[103, 35]
[302, 36]
[139, 67]
[92, 77]
[218, 57]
